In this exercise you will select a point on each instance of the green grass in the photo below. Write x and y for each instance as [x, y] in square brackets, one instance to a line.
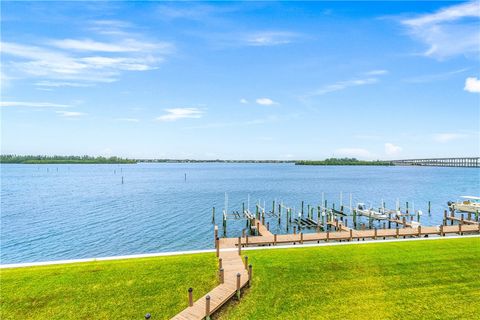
[398, 280]
[122, 289]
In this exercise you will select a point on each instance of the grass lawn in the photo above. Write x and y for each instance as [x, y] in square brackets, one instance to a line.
[397, 280]
[122, 289]
[401, 280]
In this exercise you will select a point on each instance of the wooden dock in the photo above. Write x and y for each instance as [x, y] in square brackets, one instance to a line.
[233, 266]
[235, 274]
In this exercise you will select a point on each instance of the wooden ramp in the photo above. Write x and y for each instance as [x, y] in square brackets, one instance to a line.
[232, 264]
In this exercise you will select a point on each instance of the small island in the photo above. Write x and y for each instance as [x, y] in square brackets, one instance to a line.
[343, 162]
[30, 159]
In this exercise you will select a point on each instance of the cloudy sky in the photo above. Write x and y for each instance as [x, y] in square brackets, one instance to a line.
[263, 80]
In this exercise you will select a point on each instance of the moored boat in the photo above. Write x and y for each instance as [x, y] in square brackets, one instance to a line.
[469, 204]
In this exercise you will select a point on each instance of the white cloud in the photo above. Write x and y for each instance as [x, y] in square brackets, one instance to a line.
[57, 84]
[71, 114]
[376, 72]
[391, 149]
[435, 77]
[244, 101]
[128, 119]
[265, 102]
[83, 62]
[472, 84]
[448, 137]
[270, 38]
[126, 45]
[342, 85]
[353, 152]
[32, 104]
[180, 113]
[450, 31]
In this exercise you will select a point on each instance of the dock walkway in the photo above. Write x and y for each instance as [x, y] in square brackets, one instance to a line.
[233, 264]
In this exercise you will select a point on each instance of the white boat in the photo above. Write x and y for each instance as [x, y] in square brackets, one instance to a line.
[362, 210]
[469, 204]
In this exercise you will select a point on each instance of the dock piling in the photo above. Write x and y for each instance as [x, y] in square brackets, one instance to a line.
[190, 297]
[249, 275]
[238, 285]
[207, 307]
[222, 276]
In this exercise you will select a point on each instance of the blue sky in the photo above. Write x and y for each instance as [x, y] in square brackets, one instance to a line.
[228, 80]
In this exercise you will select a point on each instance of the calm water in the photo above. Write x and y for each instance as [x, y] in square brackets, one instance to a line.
[51, 212]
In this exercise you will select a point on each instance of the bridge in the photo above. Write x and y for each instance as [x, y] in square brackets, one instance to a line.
[471, 162]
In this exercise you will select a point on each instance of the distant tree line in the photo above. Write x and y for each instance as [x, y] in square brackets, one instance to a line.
[344, 162]
[31, 159]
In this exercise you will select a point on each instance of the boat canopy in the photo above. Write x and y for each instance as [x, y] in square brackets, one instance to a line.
[470, 197]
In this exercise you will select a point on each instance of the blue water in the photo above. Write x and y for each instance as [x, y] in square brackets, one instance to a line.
[51, 212]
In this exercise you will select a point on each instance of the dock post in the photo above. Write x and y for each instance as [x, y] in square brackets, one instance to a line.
[419, 231]
[243, 233]
[249, 275]
[273, 207]
[275, 239]
[407, 207]
[441, 231]
[389, 221]
[294, 229]
[351, 235]
[396, 232]
[207, 307]
[460, 229]
[190, 297]
[239, 246]
[213, 215]
[452, 214]
[375, 233]
[404, 221]
[258, 228]
[220, 264]
[246, 262]
[246, 240]
[302, 209]
[217, 245]
[462, 217]
[215, 234]
[268, 226]
[328, 235]
[222, 276]
[238, 286]
[301, 237]
[355, 218]
[429, 207]
[445, 217]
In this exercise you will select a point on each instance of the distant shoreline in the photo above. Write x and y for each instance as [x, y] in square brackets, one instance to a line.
[39, 159]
